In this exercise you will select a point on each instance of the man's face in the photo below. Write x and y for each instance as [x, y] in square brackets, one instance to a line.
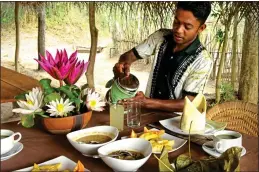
[186, 26]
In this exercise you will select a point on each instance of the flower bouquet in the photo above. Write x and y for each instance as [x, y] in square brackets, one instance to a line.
[65, 101]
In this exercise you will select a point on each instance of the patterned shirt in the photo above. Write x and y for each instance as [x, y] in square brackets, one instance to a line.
[174, 75]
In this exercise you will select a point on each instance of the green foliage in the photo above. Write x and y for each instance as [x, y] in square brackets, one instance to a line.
[72, 92]
[219, 35]
[227, 92]
[47, 88]
[7, 13]
[27, 120]
[228, 161]
[21, 96]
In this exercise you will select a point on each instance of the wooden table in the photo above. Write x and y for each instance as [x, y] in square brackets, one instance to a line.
[40, 146]
[14, 83]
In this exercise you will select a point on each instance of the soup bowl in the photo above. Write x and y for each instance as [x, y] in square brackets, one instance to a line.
[80, 139]
[132, 144]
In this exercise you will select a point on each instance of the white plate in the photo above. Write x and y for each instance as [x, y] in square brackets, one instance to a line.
[173, 124]
[213, 152]
[15, 150]
[178, 142]
[66, 164]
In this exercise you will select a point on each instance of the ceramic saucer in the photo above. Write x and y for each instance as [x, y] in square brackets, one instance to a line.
[208, 147]
[15, 150]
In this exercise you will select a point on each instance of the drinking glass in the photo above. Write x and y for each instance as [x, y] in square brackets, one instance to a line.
[117, 116]
[133, 113]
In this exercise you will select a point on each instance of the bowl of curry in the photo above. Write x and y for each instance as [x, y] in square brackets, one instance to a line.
[88, 140]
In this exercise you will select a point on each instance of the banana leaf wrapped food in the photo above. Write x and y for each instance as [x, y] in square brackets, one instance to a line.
[227, 162]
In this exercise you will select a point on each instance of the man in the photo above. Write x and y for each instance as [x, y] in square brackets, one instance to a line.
[181, 64]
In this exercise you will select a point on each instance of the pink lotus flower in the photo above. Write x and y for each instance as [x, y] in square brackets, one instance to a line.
[78, 69]
[60, 67]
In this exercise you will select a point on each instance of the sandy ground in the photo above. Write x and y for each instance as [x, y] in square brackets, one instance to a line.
[103, 65]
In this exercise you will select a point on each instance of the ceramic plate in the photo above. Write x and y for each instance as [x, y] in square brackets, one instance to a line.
[15, 150]
[66, 164]
[178, 142]
[173, 124]
[208, 147]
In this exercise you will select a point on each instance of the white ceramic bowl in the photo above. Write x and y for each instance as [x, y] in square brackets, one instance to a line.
[91, 149]
[133, 144]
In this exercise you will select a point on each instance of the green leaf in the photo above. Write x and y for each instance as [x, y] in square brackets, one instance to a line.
[50, 97]
[21, 96]
[66, 90]
[75, 90]
[182, 161]
[27, 120]
[164, 164]
[42, 113]
[45, 84]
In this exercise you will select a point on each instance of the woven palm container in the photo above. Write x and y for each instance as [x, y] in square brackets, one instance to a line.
[239, 116]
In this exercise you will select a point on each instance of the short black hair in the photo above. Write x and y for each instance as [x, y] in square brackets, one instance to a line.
[201, 10]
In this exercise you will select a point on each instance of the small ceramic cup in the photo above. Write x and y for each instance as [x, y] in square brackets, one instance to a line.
[223, 140]
[8, 141]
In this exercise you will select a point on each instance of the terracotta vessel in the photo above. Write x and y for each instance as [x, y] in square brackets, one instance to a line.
[66, 124]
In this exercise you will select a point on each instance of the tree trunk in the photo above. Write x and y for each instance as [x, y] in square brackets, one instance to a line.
[41, 31]
[248, 83]
[17, 35]
[222, 60]
[94, 38]
[215, 62]
[234, 53]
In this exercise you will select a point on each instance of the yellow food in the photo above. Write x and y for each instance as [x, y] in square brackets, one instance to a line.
[79, 167]
[46, 168]
[154, 137]
[55, 167]
[133, 134]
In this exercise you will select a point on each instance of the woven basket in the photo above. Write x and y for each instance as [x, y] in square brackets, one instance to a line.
[240, 116]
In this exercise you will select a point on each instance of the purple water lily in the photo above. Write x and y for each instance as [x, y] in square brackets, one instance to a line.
[76, 72]
[60, 67]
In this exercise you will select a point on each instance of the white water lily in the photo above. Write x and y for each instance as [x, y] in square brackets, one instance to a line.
[33, 103]
[60, 108]
[94, 101]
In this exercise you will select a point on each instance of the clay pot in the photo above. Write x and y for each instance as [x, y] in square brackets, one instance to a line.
[66, 124]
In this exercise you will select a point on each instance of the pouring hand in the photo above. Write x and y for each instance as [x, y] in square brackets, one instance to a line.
[121, 69]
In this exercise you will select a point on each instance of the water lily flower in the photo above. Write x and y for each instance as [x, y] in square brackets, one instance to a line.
[94, 101]
[59, 108]
[60, 67]
[76, 72]
[33, 103]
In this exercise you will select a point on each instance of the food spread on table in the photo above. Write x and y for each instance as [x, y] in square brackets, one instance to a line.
[154, 137]
[55, 167]
[194, 115]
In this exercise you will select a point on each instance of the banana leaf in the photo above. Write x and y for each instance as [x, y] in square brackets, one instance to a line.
[227, 162]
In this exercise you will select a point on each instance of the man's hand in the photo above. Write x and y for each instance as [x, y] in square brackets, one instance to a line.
[140, 96]
[121, 69]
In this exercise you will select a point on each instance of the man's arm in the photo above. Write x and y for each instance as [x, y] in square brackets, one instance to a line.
[166, 105]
